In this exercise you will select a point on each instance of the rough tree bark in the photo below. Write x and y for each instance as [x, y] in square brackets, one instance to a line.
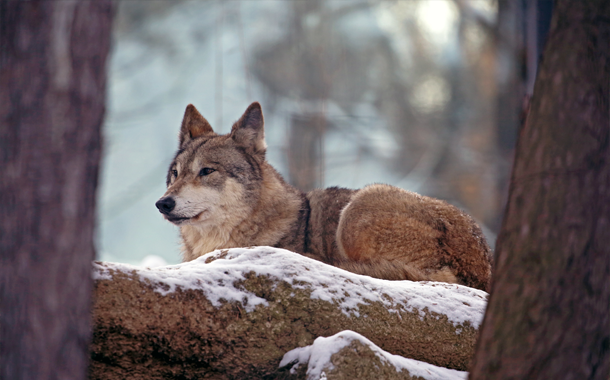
[548, 316]
[52, 93]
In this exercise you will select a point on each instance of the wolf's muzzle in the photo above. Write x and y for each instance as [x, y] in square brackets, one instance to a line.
[166, 205]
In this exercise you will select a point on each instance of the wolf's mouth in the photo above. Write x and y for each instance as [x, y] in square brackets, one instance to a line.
[175, 220]
[178, 220]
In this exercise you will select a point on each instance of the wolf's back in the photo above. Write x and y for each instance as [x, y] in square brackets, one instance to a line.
[386, 232]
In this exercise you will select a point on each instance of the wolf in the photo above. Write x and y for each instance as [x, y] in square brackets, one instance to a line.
[222, 193]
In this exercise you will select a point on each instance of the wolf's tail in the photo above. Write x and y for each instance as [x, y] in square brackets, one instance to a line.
[385, 269]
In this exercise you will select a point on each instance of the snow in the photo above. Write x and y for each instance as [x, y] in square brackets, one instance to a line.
[100, 272]
[216, 279]
[317, 358]
[152, 261]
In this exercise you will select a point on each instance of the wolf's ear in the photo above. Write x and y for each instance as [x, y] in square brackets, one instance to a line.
[249, 130]
[193, 125]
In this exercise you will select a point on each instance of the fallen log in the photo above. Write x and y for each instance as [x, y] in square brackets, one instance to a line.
[235, 313]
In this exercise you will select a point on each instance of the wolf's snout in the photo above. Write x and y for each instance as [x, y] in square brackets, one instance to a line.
[166, 205]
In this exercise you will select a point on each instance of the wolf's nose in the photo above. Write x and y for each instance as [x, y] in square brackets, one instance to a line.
[166, 205]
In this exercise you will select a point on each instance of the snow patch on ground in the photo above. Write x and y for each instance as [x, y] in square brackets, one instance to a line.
[101, 271]
[317, 358]
[216, 280]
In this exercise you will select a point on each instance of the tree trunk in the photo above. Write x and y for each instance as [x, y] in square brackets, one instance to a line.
[305, 151]
[52, 92]
[548, 316]
[510, 96]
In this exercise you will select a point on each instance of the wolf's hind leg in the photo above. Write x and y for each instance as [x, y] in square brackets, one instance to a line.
[387, 232]
[423, 234]
[383, 221]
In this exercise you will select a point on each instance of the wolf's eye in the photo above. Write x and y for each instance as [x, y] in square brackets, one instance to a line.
[175, 173]
[206, 171]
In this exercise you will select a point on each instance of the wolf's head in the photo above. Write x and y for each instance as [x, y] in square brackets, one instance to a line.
[215, 180]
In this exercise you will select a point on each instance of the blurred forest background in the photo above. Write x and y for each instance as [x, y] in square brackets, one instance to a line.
[424, 95]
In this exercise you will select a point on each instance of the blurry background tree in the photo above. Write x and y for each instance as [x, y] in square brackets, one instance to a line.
[425, 95]
[52, 93]
[548, 315]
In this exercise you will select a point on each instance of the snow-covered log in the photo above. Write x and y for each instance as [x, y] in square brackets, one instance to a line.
[348, 355]
[235, 313]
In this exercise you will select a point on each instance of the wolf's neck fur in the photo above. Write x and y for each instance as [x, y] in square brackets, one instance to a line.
[265, 223]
